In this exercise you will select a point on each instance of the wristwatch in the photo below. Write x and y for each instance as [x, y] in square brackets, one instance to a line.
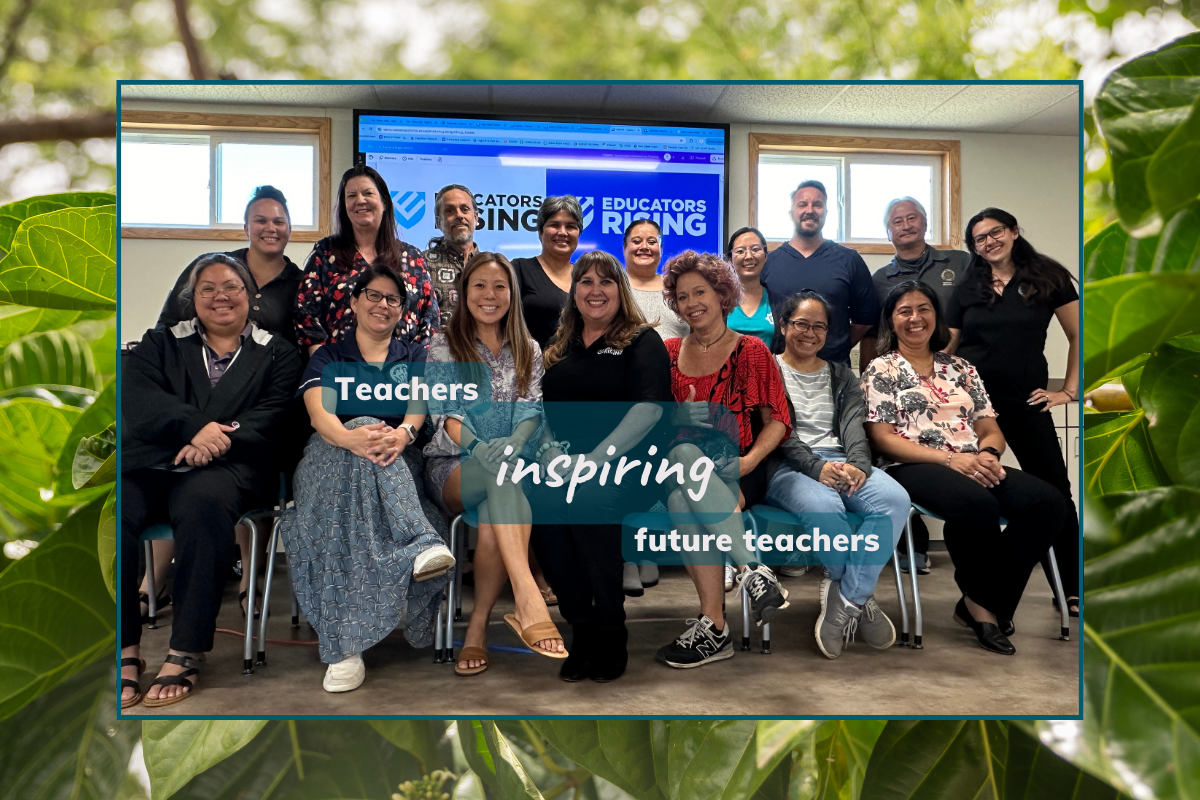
[412, 431]
[991, 450]
[474, 445]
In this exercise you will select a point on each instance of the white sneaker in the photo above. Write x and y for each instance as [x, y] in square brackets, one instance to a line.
[432, 563]
[793, 571]
[345, 676]
[730, 575]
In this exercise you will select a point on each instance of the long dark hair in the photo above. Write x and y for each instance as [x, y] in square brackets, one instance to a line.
[460, 330]
[1039, 275]
[624, 327]
[387, 240]
[888, 341]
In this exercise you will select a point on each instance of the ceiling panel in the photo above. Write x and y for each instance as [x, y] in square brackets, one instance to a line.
[470, 98]
[994, 107]
[685, 102]
[876, 105]
[1060, 119]
[549, 99]
[775, 103]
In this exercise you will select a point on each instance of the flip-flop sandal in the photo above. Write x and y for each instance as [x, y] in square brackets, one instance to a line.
[128, 683]
[471, 653]
[191, 666]
[548, 596]
[536, 633]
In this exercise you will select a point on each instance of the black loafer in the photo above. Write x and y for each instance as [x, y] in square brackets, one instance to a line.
[1007, 627]
[989, 635]
[578, 664]
[574, 668]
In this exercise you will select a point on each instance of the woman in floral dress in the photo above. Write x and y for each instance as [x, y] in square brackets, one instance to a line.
[931, 422]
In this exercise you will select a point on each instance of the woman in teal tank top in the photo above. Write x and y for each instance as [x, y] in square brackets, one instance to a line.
[748, 252]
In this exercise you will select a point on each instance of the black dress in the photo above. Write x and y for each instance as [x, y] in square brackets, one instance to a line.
[1005, 338]
[541, 300]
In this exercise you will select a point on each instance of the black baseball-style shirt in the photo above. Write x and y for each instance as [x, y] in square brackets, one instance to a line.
[601, 374]
[541, 300]
[1005, 340]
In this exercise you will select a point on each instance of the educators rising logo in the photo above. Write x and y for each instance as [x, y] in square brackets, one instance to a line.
[409, 208]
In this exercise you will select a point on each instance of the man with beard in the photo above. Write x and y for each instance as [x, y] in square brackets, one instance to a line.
[915, 260]
[837, 273]
[455, 214]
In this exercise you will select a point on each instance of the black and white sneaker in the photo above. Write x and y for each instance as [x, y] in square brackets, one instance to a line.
[698, 646]
[767, 597]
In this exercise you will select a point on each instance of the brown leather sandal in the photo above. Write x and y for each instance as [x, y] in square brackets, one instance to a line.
[536, 633]
[471, 653]
[128, 683]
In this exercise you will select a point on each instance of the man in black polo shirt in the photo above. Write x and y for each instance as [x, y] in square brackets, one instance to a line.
[456, 215]
[837, 273]
[915, 260]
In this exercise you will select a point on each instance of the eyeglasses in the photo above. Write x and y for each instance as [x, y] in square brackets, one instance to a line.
[994, 233]
[231, 289]
[393, 300]
[804, 326]
[754, 250]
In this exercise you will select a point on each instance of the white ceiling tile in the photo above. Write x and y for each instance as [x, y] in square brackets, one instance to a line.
[775, 103]
[994, 108]
[879, 105]
[1060, 119]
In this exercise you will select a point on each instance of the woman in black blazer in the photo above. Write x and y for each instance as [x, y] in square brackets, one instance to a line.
[203, 404]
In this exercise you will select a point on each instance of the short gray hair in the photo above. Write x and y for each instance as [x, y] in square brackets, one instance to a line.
[553, 205]
[887, 212]
[188, 296]
[437, 198]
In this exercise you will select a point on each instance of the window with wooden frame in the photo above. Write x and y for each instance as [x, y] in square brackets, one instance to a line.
[190, 175]
[862, 175]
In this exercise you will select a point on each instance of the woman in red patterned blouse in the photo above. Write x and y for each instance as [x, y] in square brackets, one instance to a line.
[364, 234]
[714, 369]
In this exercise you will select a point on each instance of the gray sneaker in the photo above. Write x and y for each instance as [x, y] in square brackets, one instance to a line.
[876, 629]
[837, 621]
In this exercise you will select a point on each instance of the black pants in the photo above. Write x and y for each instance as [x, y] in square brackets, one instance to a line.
[1034, 441]
[202, 506]
[990, 566]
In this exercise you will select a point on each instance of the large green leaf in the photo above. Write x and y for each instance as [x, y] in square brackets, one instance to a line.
[106, 542]
[18, 321]
[177, 751]
[475, 750]
[31, 434]
[418, 737]
[717, 759]
[368, 767]
[1135, 514]
[1034, 772]
[60, 358]
[1129, 315]
[1173, 177]
[56, 615]
[1170, 394]
[619, 751]
[938, 760]
[841, 755]
[1117, 456]
[1114, 252]
[1141, 677]
[68, 744]
[95, 418]
[13, 214]
[65, 259]
[1140, 104]
[512, 782]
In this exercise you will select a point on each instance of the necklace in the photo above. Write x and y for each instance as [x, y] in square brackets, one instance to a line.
[704, 347]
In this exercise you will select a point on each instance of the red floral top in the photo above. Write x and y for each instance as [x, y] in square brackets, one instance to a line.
[323, 303]
[747, 380]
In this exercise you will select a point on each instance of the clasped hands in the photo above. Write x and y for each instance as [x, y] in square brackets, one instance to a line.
[379, 442]
[209, 442]
[983, 468]
[842, 477]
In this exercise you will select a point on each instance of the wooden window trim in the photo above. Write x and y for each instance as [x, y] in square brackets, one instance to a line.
[949, 149]
[170, 120]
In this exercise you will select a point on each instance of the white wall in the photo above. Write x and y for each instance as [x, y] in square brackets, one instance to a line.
[1036, 178]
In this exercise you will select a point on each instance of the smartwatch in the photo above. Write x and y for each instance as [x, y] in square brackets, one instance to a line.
[991, 450]
[412, 431]
[474, 446]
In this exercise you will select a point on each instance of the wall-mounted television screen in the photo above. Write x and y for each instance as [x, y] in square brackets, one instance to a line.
[674, 174]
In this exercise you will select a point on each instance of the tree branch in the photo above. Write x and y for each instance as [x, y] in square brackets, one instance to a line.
[100, 125]
[15, 23]
[194, 56]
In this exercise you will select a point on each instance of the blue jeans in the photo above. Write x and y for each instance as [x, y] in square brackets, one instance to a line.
[799, 494]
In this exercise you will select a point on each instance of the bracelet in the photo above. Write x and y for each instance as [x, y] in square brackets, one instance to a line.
[474, 445]
[1068, 394]
[991, 450]
[564, 446]
[948, 457]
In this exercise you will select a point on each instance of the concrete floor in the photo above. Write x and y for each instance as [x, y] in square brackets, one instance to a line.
[951, 676]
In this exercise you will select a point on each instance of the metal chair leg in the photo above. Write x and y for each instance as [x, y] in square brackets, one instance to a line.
[1064, 632]
[262, 628]
[458, 546]
[912, 573]
[766, 638]
[248, 645]
[453, 589]
[900, 592]
[439, 636]
[153, 593]
[745, 619]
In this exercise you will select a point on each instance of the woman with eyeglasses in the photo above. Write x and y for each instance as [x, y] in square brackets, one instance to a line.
[360, 548]
[748, 252]
[999, 318]
[826, 469]
[204, 411]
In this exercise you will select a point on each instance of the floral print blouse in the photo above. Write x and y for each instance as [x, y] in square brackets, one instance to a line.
[938, 412]
[323, 303]
[508, 407]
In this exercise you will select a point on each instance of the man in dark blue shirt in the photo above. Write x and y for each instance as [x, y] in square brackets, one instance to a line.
[837, 273]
